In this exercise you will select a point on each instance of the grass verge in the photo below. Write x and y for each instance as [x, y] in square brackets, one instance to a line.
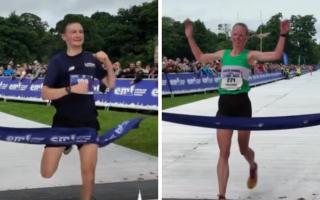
[169, 102]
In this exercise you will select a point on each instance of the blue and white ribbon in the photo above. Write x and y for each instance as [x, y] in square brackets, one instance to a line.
[67, 136]
[242, 123]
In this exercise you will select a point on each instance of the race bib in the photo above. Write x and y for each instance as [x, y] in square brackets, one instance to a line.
[232, 82]
[76, 78]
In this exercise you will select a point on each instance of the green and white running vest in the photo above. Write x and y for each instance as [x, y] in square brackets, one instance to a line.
[235, 73]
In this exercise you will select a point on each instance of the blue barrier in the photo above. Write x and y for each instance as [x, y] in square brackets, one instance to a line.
[166, 89]
[184, 83]
[142, 95]
[259, 79]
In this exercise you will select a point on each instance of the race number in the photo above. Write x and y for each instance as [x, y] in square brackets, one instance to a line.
[77, 78]
[232, 82]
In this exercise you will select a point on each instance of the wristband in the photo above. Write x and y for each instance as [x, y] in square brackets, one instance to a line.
[283, 35]
[68, 89]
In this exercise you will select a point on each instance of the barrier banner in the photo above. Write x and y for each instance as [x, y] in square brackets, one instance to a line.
[182, 83]
[165, 85]
[4, 84]
[142, 95]
[258, 79]
[190, 82]
[24, 89]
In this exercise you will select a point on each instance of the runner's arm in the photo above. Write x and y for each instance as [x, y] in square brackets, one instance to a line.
[196, 51]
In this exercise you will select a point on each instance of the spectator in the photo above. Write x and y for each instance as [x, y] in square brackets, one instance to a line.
[1, 70]
[139, 65]
[138, 76]
[206, 70]
[9, 71]
[129, 71]
[117, 69]
[146, 70]
[153, 73]
[29, 71]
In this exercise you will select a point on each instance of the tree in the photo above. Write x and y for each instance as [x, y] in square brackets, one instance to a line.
[301, 38]
[175, 44]
[173, 39]
[128, 36]
[19, 38]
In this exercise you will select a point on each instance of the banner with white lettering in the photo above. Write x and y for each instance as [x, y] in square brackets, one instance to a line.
[190, 82]
[259, 79]
[183, 83]
[67, 136]
[141, 95]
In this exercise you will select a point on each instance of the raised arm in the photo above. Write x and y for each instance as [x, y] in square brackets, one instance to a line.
[110, 79]
[196, 51]
[278, 51]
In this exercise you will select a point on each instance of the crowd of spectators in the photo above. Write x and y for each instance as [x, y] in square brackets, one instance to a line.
[138, 70]
[24, 70]
[132, 70]
[135, 70]
[184, 65]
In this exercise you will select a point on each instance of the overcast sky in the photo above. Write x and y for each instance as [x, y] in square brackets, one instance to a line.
[214, 12]
[52, 11]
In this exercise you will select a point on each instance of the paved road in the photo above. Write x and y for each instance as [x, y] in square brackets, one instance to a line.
[106, 191]
[288, 160]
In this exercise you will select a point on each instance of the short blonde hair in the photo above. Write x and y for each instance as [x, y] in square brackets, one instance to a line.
[243, 25]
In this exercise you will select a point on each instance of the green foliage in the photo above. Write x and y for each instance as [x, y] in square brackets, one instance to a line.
[299, 42]
[301, 39]
[169, 102]
[20, 37]
[174, 42]
[272, 27]
[128, 36]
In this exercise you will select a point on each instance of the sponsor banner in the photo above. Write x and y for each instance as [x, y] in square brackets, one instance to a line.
[165, 85]
[142, 95]
[190, 82]
[258, 79]
[25, 89]
[195, 82]
[4, 84]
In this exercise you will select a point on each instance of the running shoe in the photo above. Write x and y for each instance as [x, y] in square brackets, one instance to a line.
[253, 178]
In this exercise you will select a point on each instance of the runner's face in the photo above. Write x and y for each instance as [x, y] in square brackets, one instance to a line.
[239, 36]
[73, 35]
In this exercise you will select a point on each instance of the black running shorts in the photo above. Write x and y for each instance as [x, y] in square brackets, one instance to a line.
[234, 105]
